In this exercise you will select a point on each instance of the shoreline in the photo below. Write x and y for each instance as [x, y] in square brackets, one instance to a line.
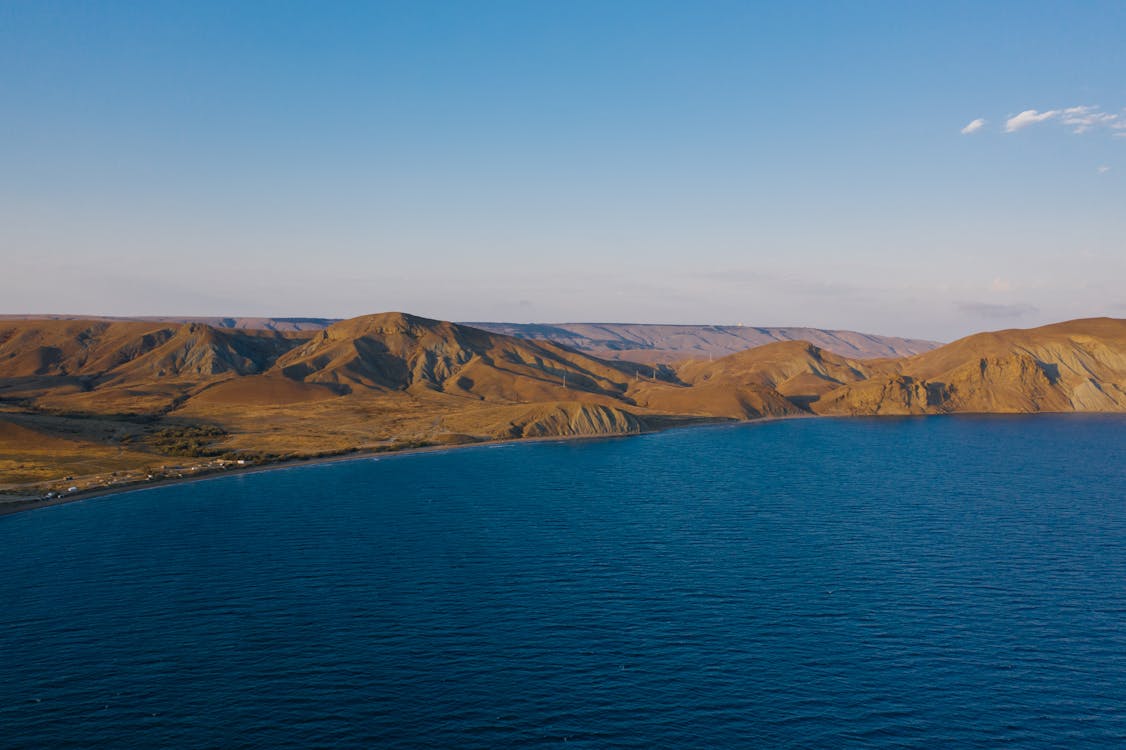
[19, 506]
[16, 505]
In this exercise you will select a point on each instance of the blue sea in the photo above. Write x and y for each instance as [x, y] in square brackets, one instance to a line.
[820, 583]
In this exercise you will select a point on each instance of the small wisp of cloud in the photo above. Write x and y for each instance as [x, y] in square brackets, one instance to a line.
[1081, 119]
[1028, 117]
[973, 126]
[1103, 169]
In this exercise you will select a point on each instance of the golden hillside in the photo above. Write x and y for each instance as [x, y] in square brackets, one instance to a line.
[85, 398]
[1078, 366]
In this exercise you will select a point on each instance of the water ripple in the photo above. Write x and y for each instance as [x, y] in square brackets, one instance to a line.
[818, 583]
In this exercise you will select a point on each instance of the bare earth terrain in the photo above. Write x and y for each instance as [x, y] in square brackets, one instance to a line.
[88, 404]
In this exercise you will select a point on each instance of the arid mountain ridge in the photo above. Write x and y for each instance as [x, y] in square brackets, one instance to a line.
[647, 342]
[84, 397]
[637, 342]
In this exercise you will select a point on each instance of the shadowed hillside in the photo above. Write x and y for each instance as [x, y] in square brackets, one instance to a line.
[395, 351]
[124, 367]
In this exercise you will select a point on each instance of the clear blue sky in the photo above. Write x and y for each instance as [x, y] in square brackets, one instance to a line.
[789, 163]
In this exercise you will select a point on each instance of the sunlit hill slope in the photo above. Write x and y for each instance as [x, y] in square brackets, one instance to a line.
[85, 397]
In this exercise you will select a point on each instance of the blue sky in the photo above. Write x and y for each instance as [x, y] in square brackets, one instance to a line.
[791, 163]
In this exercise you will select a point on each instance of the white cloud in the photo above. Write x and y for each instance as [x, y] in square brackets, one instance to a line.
[1080, 119]
[1085, 118]
[974, 126]
[1028, 117]
[1103, 169]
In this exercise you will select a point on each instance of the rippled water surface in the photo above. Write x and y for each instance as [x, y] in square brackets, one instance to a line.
[942, 582]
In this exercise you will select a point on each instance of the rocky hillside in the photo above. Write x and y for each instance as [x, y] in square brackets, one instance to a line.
[797, 370]
[395, 351]
[125, 366]
[81, 393]
[131, 351]
[1079, 365]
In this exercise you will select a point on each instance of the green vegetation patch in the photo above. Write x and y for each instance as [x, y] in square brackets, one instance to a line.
[190, 440]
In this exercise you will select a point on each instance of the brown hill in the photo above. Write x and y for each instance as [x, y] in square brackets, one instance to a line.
[124, 366]
[778, 379]
[720, 399]
[131, 350]
[126, 394]
[1079, 365]
[83, 396]
[796, 369]
[395, 351]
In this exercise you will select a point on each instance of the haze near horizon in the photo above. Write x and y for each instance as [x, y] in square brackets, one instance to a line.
[906, 170]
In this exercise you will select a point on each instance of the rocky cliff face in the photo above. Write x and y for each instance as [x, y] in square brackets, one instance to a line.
[1074, 366]
[575, 419]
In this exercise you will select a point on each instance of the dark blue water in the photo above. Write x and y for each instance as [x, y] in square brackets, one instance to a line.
[955, 582]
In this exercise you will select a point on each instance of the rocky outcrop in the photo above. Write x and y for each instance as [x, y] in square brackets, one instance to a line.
[574, 419]
[1074, 366]
[897, 394]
